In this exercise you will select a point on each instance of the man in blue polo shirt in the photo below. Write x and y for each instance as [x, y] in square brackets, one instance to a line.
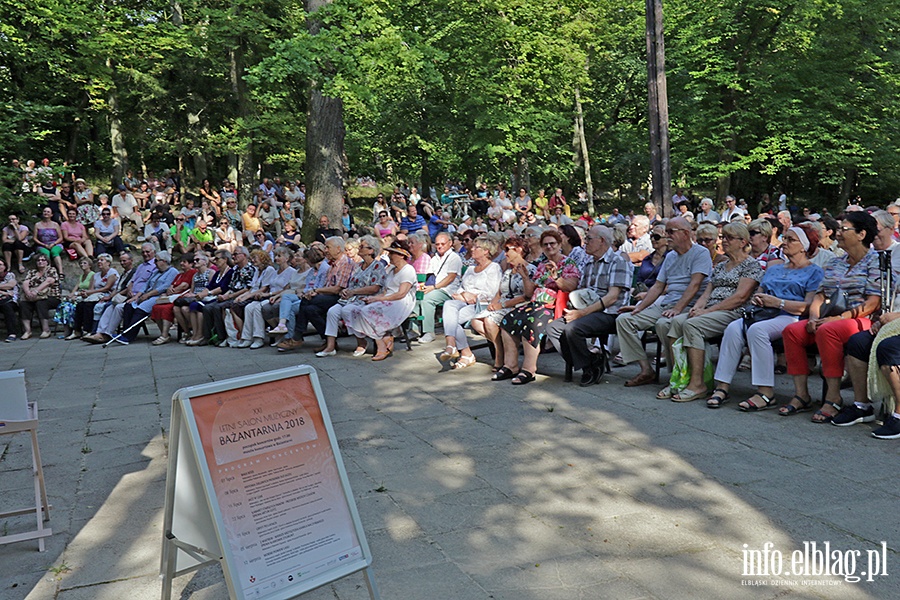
[437, 223]
[413, 221]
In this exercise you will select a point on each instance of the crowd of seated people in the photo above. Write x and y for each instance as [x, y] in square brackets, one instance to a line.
[524, 273]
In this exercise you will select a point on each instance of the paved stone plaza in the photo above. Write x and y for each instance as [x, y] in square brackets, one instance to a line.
[467, 489]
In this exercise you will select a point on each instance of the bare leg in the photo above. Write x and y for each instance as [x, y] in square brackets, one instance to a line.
[196, 318]
[531, 357]
[492, 333]
[695, 365]
[57, 260]
[859, 376]
[181, 319]
[800, 386]
[892, 373]
[510, 351]
[164, 327]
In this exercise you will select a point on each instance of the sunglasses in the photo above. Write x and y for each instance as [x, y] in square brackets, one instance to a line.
[755, 232]
[656, 237]
[181, 220]
[706, 240]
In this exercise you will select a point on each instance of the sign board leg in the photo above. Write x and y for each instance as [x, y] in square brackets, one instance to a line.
[370, 583]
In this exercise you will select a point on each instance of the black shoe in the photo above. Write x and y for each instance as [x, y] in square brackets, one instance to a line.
[589, 376]
[889, 431]
[852, 414]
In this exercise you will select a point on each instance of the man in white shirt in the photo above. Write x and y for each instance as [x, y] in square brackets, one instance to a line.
[678, 198]
[731, 209]
[447, 267]
[638, 245]
[127, 207]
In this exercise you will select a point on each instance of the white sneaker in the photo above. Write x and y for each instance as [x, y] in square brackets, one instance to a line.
[223, 344]
[324, 354]
[244, 344]
[427, 338]
[257, 344]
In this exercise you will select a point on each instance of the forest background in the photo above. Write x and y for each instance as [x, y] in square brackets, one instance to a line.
[798, 95]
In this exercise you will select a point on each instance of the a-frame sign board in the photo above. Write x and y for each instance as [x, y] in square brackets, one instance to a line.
[256, 482]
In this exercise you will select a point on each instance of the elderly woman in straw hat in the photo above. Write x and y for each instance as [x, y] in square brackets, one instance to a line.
[383, 312]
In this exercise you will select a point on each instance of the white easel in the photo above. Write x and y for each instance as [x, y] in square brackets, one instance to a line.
[41, 508]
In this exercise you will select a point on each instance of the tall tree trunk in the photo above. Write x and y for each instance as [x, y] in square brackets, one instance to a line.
[657, 94]
[233, 167]
[848, 185]
[246, 171]
[522, 177]
[117, 142]
[75, 129]
[325, 160]
[585, 156]
[425, 179]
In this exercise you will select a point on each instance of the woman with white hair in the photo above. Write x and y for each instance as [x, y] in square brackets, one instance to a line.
[707, 214]
[249, 320]
[254, 320]
[480, 284]
[418, 247]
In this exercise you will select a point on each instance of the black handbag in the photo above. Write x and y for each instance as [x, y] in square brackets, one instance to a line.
[835, 305]
[755, 314]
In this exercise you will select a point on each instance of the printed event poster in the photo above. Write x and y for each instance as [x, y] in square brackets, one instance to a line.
[276, 482]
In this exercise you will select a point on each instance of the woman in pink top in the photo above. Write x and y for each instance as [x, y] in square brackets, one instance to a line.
[385, 226]
[75, 235]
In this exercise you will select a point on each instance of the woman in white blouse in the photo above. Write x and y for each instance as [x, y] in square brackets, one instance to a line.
[479, 286]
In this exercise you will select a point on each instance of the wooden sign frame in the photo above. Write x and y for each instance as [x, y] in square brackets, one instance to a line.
[256, 483]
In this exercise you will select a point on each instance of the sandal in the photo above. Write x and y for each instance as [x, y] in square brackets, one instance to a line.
[503, 374]
[450, 353]
[780, 369]
[821, 417]
[718, 398]
[381, 356]
[163, 339]
[463, 362]
[522, 377]
[789, 409]
[495, 369]
[687, 395]
[749, 406]
[665, 393]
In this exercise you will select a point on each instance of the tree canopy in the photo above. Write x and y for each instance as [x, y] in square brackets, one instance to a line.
[800, 95]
